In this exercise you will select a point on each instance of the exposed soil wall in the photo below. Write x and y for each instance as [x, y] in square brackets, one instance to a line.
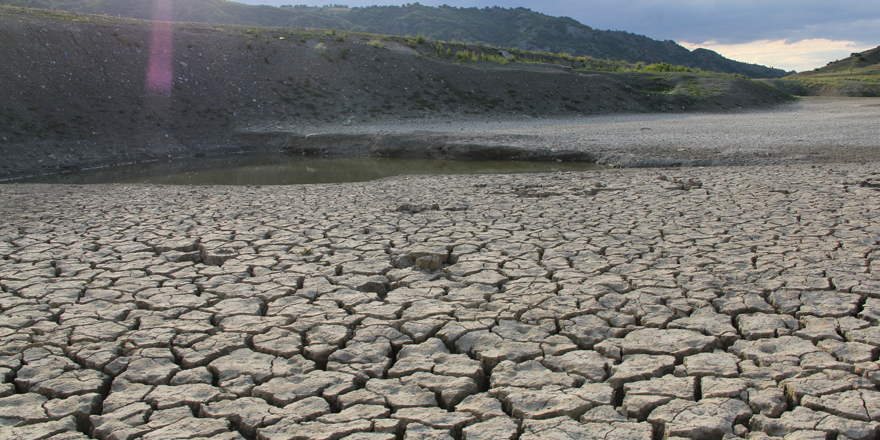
[827, 88]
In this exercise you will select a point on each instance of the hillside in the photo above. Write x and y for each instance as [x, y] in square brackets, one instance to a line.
[855, 75]
[75, 93]
[520, 28]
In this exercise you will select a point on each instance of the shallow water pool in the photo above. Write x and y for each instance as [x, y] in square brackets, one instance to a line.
[279, 169]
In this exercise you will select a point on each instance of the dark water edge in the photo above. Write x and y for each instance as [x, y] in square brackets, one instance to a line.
[281, 169]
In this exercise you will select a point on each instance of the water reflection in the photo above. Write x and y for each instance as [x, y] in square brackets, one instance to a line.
[262, 169]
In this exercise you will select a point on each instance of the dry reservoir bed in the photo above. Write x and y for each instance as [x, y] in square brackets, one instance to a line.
[619, 304]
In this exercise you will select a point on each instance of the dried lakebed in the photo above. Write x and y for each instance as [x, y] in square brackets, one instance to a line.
[631, 304]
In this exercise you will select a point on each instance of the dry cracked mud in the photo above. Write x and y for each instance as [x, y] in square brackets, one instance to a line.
[618, 304]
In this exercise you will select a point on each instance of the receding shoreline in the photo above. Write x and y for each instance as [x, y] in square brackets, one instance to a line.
[810, 130]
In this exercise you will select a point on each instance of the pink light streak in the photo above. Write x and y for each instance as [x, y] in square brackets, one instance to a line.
[159, 73]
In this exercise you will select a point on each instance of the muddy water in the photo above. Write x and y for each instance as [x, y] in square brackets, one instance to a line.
[262, 169]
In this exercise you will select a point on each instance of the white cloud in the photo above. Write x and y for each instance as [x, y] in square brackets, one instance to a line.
[800, 55]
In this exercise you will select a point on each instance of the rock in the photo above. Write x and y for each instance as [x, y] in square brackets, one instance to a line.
[56, 429]
[763, 325]
[712, 364]
[548, 403]
[259, 366]
[491, 349]
[204, 351]
[787, 349]
[435, 418]
[165, 417]
[861, 405]
[282, 391]
[678, 343]
[802, 418]
[496, 428]
[723, 387]
[564, 428]
[638, 407]
[78, 406]
[398, 395]
[819, 329]
[530, 374]
[482, 406]
[164, 396]
[849, 352]
[640, 367]
[603, 414]
[708, 322]
[706, 419]
[356, 412]
[246, 413]
[642, 397]
[417, 431]
[588, 364]
[820, 384]
[359, 397]
[458, 365]
[588, 330]
[769, 402]
[828, 304]
[371, 436]
[290, 429]
[195, 375]
[190, 427]
[361, 359]
[23, 409]
[677, 387]
[151, 371]
[451, 390]
[309, 408]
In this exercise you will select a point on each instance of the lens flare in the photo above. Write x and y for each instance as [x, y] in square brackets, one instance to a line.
[159, 72]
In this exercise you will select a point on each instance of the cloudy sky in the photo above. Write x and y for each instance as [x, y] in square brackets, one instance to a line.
[788, 34]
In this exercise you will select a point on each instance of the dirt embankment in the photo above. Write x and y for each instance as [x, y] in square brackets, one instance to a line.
[75, 93]
[826, 88]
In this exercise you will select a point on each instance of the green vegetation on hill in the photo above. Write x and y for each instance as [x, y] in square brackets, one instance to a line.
[518, 28]
[864, 66]
[856, 75]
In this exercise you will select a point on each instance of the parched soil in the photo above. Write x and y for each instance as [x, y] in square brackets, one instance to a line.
[699, 303]
[75, 93]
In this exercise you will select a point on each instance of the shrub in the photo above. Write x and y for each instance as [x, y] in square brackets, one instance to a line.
[377, 44]
[466, 55]
[494, 58]
[322, 50]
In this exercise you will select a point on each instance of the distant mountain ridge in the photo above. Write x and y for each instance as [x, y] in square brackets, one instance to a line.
[517, 27]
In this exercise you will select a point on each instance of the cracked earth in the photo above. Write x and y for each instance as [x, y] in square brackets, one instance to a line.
[619, 304]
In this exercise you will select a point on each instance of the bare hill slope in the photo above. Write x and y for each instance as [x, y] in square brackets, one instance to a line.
[77, 96]
[503, 27]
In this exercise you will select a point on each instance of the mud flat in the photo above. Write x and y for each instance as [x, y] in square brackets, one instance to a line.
[811, 130]
[691, 303]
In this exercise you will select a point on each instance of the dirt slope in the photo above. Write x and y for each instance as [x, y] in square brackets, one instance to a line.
[76, 94]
